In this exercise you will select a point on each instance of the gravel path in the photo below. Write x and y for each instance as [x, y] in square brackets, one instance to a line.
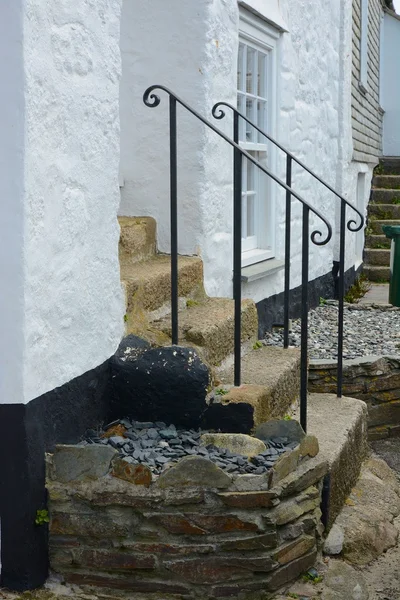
[368, 331]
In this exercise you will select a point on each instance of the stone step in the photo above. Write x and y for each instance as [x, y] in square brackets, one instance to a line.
[148, 283]
[391, 182]
[270, 385]
[381, 196]
[137, 240]
[390, 165]
[375, 225]
[340, 425]
[377, 241]
[375, 273]
[209, 326]
[377, 257]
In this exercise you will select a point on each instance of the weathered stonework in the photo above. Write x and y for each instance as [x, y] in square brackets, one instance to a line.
[208, 535]
[373, 379]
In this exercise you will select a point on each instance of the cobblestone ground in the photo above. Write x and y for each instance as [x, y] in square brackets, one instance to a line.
[383, 576]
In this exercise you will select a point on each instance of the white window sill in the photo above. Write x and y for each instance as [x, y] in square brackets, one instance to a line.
[262, 269]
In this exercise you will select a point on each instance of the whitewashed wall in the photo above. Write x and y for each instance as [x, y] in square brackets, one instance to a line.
[64, 312]
[391, 85]
[11, 201]
[192, 48]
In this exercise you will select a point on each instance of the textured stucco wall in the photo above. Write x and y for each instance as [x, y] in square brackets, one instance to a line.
[366, 113]
[391, 85]
[309, 123]
[73, 298]
[11, 199]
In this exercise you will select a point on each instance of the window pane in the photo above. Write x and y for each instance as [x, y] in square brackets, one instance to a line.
[262, 119]
[250, 176]
[244, 216]
[262, 75]
[250, 110]
[250, 216]
[250, 75]
[240, 77]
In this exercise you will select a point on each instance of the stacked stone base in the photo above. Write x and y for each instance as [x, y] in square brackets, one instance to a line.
[210, 536]
[375, 380]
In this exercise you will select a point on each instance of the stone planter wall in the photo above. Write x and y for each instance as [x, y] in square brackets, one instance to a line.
[376, 380]
[192, 532]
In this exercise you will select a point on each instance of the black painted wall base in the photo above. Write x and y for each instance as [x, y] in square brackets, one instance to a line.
[270, 310]
[26, 433]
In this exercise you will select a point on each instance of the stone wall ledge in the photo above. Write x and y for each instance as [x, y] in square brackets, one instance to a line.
[373, 379]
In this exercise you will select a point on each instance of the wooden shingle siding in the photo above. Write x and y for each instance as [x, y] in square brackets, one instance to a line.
[366, 112]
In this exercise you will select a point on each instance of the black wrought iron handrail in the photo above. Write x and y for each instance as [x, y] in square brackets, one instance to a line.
[351, 225]
[152, 100]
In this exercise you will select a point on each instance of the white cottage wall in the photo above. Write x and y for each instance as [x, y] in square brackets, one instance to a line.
[193, 49]
[11, 194]
[163, 44]
[308, 125]
[73, 298]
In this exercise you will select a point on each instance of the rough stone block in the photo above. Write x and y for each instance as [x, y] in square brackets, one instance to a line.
[286, 464]
[163, 384]
[271, 381]
[130, 584]
[290, 429]
[194, 471]
[81, 463]
[110, 560]
[293, 550]
[238, 443]
[264, 541]
[290, 510]
[218, 569]
[384, 414]
[137, 238]
[201, 524]
[306, 475]
[249, 500]
[95, 524]
[135, 474]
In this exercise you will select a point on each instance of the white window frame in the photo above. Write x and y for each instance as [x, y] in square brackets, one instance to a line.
[364, 45]
[256, 33]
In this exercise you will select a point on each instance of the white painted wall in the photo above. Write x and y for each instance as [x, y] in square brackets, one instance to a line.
[391, 85]
[62, 313]
[73, 300]
[11, 200]
[192, 48]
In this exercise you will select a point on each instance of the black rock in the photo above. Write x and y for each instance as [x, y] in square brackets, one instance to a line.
[165, 384]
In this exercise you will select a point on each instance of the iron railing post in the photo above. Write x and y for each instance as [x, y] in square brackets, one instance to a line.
[173, 218]
[237, 249]
[304, 318]
[288, 216]
[342, 250]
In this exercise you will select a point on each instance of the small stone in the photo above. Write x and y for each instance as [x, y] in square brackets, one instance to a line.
[194, 471]
[152, 433]
[289, 429]
[80, 463]
[167, 434]
[237, 443]
[334, 542]
[136, 474]
[117, 441]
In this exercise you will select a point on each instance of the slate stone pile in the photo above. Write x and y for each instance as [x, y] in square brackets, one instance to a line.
[158, 445]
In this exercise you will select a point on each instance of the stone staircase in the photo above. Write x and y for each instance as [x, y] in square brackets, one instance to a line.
[383, 209]
[270, 375]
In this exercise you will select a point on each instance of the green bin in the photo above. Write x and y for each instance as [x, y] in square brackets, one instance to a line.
[393, 232]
